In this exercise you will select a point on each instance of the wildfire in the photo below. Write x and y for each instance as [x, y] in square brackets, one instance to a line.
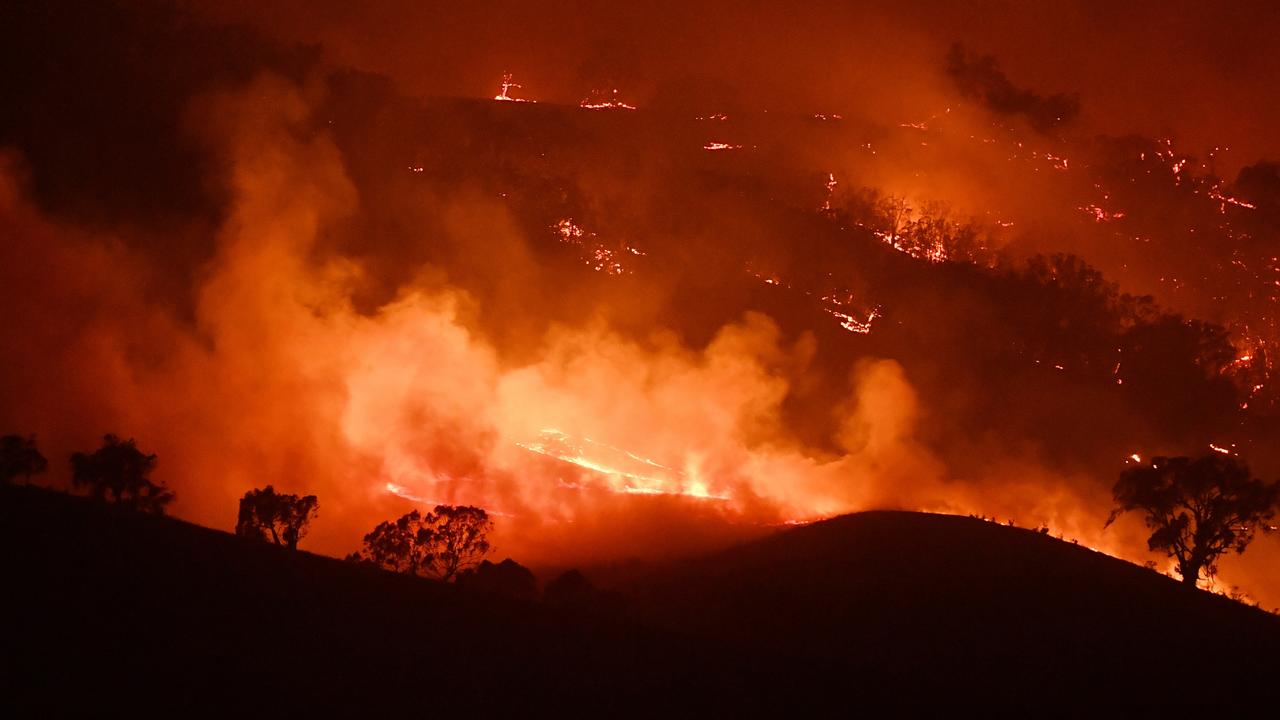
[602, 100]
[924, 124]
[831, 193]
[595, 254]
[838, 305]
[623, 471]
[851, 323]
[935, 252]
[507, 85]
[1101, 214]
[1225, 200]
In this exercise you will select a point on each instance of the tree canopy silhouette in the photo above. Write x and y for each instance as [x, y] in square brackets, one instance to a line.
[118, 472]
[19, 457]
[508, 578]
[439, 544]
[1197, 508]
[277, 517]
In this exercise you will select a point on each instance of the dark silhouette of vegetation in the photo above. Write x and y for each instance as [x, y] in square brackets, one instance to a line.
[19, 457]
[508, 578]
[1197, 508]
[569, 588]
[785, 621]
[398, 545]
[278, 517]
[573, 591]
[118, 472]
[439, 544]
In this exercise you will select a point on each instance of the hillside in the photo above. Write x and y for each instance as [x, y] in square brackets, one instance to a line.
[963, 608]
[107, 610]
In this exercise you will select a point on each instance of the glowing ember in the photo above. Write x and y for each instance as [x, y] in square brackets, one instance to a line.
[839, 306]
[1225, 200]
[595, 254]
[924, 124]
[601, 100]
[505, 94]
[1101, 214]
[720, 146]
[831, 193]
[851, 323]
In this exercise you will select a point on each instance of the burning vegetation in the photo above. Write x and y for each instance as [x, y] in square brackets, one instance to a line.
[648, 330]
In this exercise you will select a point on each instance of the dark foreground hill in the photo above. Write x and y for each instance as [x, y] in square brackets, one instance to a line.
[954, 607]
[106, 610]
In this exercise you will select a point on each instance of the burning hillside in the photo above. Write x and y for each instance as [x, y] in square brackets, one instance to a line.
[630, 310]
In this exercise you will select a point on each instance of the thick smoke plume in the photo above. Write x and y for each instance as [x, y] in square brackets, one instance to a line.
[981, 78]
[280, 380]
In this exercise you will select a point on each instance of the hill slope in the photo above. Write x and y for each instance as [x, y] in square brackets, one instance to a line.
[111, 610]
[964, 607]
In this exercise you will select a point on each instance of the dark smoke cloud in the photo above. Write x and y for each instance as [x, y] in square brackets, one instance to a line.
[979, 77]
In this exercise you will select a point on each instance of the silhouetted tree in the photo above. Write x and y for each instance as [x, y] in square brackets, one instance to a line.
[118, 472]
[508, 578]
[1197, 508]
[459, 538]
[19, 456]
[278, 517]
[439, 544]
[399, 545]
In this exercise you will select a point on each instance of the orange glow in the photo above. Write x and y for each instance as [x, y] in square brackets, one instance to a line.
[601, 258]
[604, 100]
[507, 85]
[553, 319]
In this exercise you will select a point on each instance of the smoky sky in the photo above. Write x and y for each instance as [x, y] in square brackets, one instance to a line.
[1194, 71]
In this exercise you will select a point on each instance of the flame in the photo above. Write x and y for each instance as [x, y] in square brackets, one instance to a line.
[505, 93]
[831, 193]
[595, 254]
[601, 100]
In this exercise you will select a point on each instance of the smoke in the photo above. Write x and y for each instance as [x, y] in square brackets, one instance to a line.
[981, 78]
[280, 380]
[369, 307]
